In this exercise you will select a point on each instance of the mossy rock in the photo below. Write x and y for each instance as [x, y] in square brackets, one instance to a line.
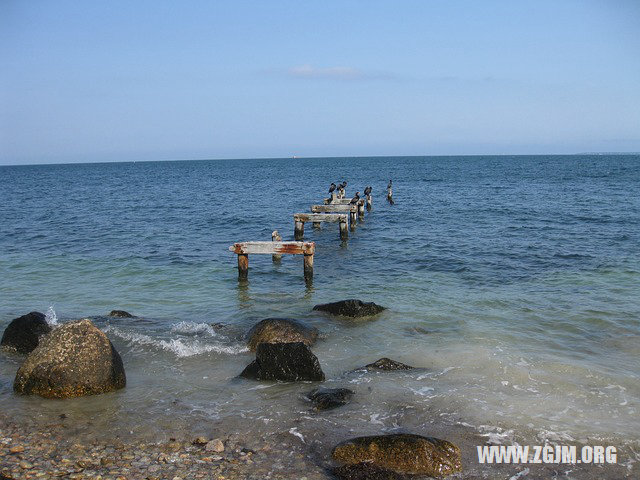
[24, 333]
[402, 453]
[74, 360]
[280, 330]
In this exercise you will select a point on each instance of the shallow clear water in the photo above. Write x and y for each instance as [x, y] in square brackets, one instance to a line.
[512, 280]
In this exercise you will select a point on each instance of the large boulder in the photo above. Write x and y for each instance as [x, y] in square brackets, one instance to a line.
[367, 471]
[24, 333]
[120, 314]
[287, 362]
[402, 453]
[280, 330]
[350, 308]
[330, 398]
[75, 359]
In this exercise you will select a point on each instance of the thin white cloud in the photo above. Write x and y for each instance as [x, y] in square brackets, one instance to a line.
[309, 71]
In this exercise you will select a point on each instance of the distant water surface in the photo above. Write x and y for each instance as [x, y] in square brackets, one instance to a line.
[512, 280]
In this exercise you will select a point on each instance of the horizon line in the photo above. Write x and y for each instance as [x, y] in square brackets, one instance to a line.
[297, 157]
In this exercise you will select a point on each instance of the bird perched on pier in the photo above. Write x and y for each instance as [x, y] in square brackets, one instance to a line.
[367, 191]
[355, 199]
[389, 186]
[332, 187]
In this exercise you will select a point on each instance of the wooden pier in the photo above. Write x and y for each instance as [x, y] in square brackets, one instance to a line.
[316, 218]
[336, 209]
[352, 209]
[244, 249]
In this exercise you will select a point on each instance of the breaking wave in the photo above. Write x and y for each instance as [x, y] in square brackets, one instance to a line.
[180, 347]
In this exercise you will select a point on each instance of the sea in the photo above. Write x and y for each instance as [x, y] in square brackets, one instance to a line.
[512, 282]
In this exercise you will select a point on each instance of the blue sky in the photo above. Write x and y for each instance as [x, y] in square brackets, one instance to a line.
[156, 80]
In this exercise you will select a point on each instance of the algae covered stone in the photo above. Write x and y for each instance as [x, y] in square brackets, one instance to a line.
[286, 362]
[75, 359]
[402, 453]
[24, 333]
[350, 308]
[280, 330]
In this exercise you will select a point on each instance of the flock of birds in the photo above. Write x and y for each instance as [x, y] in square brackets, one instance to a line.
[356, 198]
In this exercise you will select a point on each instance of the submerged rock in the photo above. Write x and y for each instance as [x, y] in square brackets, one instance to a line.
[280, 330]
[330, 398]
[402, 453]
[366, 471]
[350, 308]
[287, 362]
[120, 314]
[387, 365]
[75, 359]
[24, 333]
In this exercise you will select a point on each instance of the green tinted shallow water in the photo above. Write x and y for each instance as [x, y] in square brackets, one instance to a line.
[512, 280]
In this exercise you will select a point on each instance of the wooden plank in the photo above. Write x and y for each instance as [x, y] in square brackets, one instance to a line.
[341, 201]
[293, 248]
[333, 208]
[320, 217]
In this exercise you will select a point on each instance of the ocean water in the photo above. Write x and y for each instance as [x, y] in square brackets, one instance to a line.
[513, 282]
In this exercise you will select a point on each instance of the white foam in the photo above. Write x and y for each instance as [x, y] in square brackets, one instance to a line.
[51, 317]
[194, 328]
[178, 346]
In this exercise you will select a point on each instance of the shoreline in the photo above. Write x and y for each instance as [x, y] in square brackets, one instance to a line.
[29, 451]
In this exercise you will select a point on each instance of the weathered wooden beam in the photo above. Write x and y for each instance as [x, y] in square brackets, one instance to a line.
[301, 218]
[293, 248]
[298, 230]
[344, 233]
[341, 201]
[243, 266]
[308, 267]
[333, 208]
[369, 202]
[243, 249]
[276, 237]
[320, 217]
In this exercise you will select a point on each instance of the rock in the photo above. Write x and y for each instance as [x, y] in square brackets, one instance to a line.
[200, 441]
[24, 333]
[402, 453]
[16, 449]
[75, 359]
[366, 471]
[350, 308]
[387, 365]
[287, 362]
[215, 446]
[329, 398]
[280, 330]
[121, 314]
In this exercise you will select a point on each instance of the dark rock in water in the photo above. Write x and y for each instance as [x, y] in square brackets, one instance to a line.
[366, 471]
[387, 365]
[287, 362]
[329, 398]
[75, 359]
[350, 308]
[120, 314]
[402, 453]
[280, 330]
[24, 333]
[417, 331]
